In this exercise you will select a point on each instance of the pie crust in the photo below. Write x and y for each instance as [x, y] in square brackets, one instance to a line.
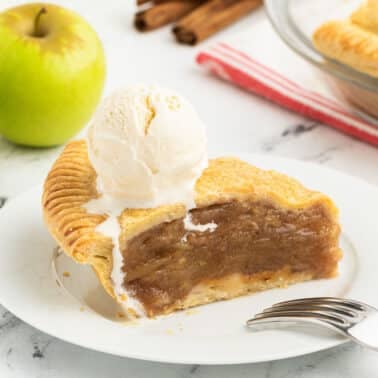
[354, 41]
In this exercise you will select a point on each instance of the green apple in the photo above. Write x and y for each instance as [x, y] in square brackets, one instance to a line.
[52, 71]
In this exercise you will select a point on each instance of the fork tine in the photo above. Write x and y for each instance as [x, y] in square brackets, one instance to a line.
[320, 315]
[330, 309]
[327, 300]
[292, 318]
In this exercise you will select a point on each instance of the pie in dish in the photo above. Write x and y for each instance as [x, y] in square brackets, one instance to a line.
[354, 41]
[268, 231]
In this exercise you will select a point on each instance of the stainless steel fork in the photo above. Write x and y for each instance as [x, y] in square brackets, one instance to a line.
[353, 319]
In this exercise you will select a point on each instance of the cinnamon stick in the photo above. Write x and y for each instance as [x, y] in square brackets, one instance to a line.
[170, 1]
[141, 2]
[211, 17]
[164, 13]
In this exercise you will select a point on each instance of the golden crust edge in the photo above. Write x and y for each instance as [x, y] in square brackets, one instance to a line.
[349, 44]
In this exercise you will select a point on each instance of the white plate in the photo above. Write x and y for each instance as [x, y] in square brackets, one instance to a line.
[78, 311]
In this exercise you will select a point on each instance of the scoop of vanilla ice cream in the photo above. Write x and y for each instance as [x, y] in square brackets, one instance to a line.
[148, 147]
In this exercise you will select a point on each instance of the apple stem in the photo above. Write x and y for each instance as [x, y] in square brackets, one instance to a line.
[37, 32]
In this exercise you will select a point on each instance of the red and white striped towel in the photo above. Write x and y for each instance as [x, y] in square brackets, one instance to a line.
[259, 61]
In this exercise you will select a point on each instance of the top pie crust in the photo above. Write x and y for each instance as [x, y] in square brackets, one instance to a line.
[71, 183]
[354, 41]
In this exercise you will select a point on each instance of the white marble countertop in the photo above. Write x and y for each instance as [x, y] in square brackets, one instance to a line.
[237, 121]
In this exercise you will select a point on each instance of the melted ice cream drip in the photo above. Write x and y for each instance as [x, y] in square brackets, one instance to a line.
[111, 228]
[190, 226]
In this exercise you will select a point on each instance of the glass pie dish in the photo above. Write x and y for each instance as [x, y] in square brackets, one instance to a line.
[296, 20]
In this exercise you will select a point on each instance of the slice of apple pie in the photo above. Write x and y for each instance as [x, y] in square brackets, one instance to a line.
[251, 230]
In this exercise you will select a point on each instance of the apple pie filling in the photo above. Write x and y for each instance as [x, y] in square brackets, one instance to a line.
[166, 263]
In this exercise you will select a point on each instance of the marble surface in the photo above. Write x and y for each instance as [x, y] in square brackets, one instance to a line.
[237, 121]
